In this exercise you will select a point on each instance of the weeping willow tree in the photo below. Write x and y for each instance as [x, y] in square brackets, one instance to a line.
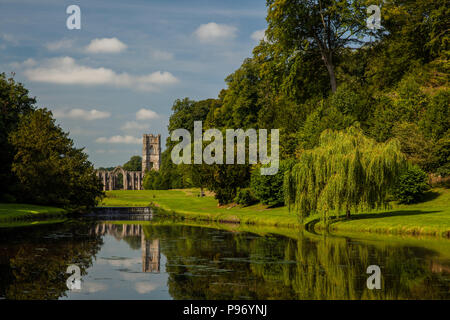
[347, 171]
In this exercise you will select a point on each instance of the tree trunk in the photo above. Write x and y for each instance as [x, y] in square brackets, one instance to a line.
[347, 213]
[332, 77]
[202, 194]
[328, 60]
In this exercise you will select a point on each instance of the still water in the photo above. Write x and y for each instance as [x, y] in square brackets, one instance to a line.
[172, 260]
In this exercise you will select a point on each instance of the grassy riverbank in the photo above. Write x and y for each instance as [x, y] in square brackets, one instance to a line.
[190, 205]
[17, 214]
[431, 217]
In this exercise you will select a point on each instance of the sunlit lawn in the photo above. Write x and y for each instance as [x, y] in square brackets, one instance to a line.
[187, 202]
[429, 217]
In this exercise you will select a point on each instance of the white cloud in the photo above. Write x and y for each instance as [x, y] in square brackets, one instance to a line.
[146, 114]
[134, 125]
[81, 114]
[145, 287]
[212, 32]
[161, 55]
[259, 35]
[106, 45]
[92, 287]
[58, 45]
[120, 139]
[30, 62]
[65, 70]
[9, 38]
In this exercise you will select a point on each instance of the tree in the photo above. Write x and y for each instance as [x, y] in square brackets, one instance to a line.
[417, 149]
[346, 171]
[411, 185]
[225, 179]
[269, 188]
[134, 164]
[153, 181]
[322, 26]
[14, 102]
[50, 169]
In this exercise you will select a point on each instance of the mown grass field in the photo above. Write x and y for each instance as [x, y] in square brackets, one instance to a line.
[188, 203]
[431, 217]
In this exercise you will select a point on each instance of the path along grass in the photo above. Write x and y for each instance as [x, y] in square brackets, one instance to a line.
[431, 217]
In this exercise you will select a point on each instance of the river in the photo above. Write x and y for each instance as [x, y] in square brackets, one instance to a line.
[171, 259]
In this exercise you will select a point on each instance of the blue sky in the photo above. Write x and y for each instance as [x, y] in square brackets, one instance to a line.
[118, 76]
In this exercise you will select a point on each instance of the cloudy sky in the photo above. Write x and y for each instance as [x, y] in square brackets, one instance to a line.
[118, 76]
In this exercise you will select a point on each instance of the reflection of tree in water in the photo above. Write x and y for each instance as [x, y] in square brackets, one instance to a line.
[327, 268]
[34, 264]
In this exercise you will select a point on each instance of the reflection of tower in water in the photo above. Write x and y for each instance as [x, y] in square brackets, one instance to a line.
[150, 254]
[149, 248]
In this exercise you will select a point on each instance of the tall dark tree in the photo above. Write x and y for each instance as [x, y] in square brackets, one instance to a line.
[14, 102]
[50, 169]
[322, 26]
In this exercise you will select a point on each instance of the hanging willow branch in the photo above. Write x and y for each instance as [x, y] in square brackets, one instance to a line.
[347, 171]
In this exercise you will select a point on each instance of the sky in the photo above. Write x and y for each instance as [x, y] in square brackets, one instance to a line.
[117, 77]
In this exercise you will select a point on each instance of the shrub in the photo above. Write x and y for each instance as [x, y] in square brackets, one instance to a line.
[245, 197]
[153, 181]
[269, 189]
[411, 185]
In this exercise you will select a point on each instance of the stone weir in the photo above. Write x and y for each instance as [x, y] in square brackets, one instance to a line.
[122, 213]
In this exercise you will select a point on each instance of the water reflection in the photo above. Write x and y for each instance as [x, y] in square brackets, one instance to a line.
[121, 260]
[130, 232]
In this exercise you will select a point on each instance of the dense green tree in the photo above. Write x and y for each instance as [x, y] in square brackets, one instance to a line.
[417, 148]
[269, 188]
[411, 185]
[435, 121]
[441, 155]
[50, 169]
[321, 26]
[239, 108]
[14, 102]
[347, 171]
[153, 181]
[134, 164]
[225, 179]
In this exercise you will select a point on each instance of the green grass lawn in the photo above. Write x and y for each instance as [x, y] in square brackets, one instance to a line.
[431, 217]
[10, 212]
[187, 203]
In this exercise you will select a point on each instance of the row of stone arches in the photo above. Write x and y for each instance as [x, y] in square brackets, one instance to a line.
[131, 180]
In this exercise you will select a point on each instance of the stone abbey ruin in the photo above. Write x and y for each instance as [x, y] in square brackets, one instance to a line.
[132, 180]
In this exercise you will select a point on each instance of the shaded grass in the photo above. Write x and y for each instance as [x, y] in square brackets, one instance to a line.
[17, 214]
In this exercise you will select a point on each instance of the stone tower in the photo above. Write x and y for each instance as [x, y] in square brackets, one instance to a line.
[151, 152]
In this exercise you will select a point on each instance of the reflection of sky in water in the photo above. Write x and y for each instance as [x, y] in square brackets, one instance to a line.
[117, 274]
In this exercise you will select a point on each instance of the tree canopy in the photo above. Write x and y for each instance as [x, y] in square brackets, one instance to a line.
[347, 171]
[50, 169]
